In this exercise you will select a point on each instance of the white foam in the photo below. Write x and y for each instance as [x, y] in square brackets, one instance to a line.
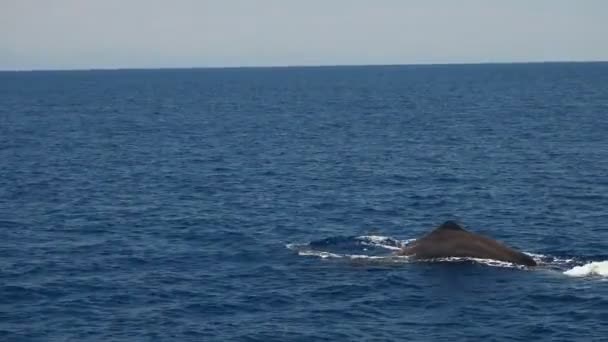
[551, 261]
[363, 256]
[294, 245]
[487, 262]
[597, 268]
[536, 255]
[323, 255]
[328, 255]
[383, 242]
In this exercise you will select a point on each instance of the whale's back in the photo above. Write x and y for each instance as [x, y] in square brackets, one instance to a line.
[451, 240]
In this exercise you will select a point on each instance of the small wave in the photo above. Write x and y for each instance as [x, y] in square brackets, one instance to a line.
[596, 268]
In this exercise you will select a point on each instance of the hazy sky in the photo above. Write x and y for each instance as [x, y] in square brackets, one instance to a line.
[67, 34]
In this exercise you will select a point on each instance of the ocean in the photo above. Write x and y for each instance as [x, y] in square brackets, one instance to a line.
[266, 204]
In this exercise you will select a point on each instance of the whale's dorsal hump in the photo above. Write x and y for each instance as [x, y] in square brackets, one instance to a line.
[450, 225]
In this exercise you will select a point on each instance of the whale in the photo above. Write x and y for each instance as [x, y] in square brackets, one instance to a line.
[452, 240]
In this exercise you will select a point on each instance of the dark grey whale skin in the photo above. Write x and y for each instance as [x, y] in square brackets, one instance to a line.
[451, 240]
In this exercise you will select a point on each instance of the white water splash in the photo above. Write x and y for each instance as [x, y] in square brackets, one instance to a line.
[597, 268]
[383, 242]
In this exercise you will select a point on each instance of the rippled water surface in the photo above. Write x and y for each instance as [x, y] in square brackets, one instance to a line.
[265, 204]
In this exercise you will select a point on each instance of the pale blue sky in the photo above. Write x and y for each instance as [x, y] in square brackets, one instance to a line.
[75, 34]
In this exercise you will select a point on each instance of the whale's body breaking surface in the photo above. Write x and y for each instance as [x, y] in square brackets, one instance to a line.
[451, 240]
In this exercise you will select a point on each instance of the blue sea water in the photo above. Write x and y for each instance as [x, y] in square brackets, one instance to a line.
[264, 204]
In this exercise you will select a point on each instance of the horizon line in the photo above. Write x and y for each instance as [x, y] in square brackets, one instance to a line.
[287, 66]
